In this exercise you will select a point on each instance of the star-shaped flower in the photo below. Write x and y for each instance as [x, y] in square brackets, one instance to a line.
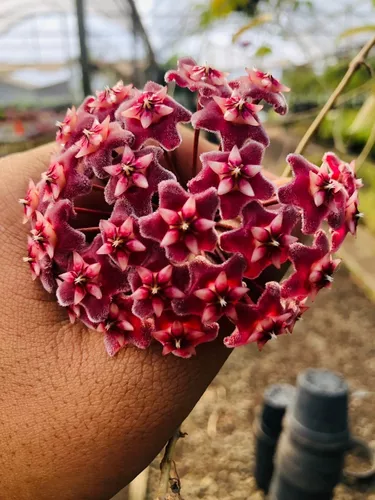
[135, 176]
[67, 126]
[237, 177]
[215, 289]
[121, 242]
[343, 172]
[152, 114]
[110, 98]
[183, 223]
[43, 236]
[93, 138]
[264, 238]
[54, 181]
[180, 335]
[352, 217]
[153, 291]
[314, 268]
[30, 202]
[234, 118]
[40, 267]
[261, 322]
[195, 77]
[316, 192]
[80, 280]
[262, 86]
[122, 327]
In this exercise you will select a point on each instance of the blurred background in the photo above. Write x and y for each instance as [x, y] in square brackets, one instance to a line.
[53, 52]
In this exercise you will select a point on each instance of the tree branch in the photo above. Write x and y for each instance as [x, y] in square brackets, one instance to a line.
[358, 60]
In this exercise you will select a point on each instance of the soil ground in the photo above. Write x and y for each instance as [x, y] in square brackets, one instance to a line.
[216, 459]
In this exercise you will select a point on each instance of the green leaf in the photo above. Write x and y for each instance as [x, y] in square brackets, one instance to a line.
[356, 31]
[264, 50]
[256, 21]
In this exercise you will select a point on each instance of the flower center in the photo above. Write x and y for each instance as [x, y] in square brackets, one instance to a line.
[147, 103]
[222, 301]
[178, 343]
[236, 170]
[117, 242]
[184, 225]
[38, 237]
[155, 289]
[80, 280]
[127, 168]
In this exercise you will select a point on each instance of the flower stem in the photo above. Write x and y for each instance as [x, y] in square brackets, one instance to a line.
[97, 187]
[170, 163]
[366, 150]
[91, 211]
[195, 152]
[354, 64]
[88, 229]
[271, 201]
[166, 463]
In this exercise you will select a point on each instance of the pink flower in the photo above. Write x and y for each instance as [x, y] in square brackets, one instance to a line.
[134, 176]
[352, 217]
[54, 181]
[264, 238]
[110, 97]
[262, 86]
[130, 171]
[189, 74]
[183, 223]
[237, 177]
[295, 308]
[153, 290]
[152, 114]
[215, 290]
[180, 335]
[260, 323]
[67, 126]
[93, 138]
[120, 242]
[32, 258]
[82, 279]
[43, 236]
[316, 192]
[234, 118]
[30, 202]
[122, 328]
[314, 268]
[343, 172]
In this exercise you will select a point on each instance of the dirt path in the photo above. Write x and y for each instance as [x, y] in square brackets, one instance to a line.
[215, 460]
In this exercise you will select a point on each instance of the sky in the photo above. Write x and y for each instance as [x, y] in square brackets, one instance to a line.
[45, 32]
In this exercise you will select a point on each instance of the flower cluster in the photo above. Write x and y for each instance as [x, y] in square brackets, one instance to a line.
[139, 257]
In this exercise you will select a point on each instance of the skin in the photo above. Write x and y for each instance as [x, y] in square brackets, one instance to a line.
[75, 423]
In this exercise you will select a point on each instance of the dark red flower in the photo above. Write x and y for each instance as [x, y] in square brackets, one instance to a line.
[319, 195]
[264, 238]
[237, 177]
[233, 118]
[215, 289]
[262, 86]
[152, 114]
[314, 268]
[352, 217]
[180, 335]
[153, 290]
[183, 223]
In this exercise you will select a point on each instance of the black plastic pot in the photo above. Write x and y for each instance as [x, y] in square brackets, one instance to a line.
[267, 430]
[310, 454]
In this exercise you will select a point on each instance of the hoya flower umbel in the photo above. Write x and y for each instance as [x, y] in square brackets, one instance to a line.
[153, 290]
[237, 177]
[30, 202]
[120, 242]
[183, 223]
[131, 171]
[43, 236]
[180, 335]
[82, 279]
[92, 138]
